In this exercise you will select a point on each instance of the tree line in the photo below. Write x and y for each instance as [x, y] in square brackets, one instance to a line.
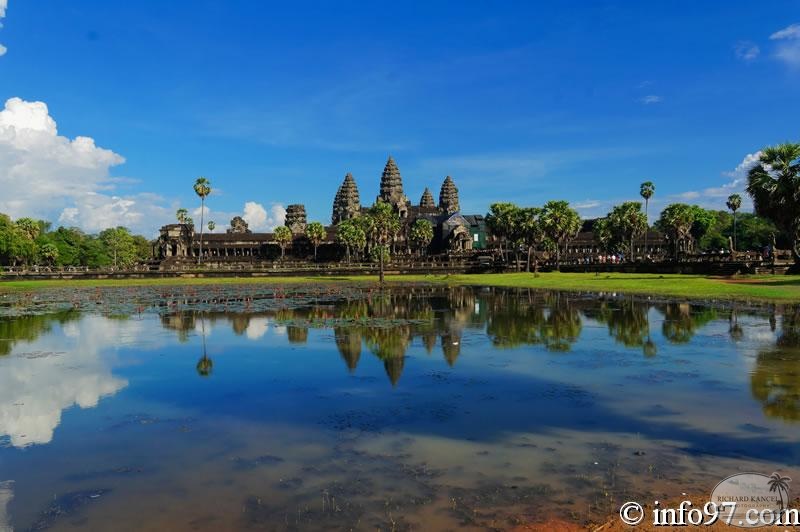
[26, 242]
[773, 184]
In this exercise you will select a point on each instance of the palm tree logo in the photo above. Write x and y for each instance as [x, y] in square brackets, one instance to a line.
[780, 485]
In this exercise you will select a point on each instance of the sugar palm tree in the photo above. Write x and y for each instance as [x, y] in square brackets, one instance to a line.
[182, 215]
[211, 226]
[283, 236]
[774, 185]
[561, 224]
[202, 187]
[315, 232]
[646, 191]
[734, 203]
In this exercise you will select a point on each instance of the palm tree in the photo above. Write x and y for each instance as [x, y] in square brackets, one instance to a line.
[774, 185]
[531, 231]
[677, 220]
[780, 485]
[182, 215]
[646, 191]
[315, 232]
[422, 234]
[734, 203]
[211, 226]
[385, 225]
[202, 187]
[561, 224]
[283, 236]
[350, 234]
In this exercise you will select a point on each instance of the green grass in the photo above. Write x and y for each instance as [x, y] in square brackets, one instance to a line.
[784, 288]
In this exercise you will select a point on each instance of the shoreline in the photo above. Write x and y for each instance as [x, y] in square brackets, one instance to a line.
[763, 289]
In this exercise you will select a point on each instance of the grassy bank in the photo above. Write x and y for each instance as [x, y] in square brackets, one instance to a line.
[784, 288]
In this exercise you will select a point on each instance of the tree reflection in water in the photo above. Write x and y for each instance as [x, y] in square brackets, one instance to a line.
[775, 380]
[388, 323]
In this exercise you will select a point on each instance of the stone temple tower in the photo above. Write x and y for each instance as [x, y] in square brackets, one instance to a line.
[347, 203]
[426, 202]
[392, 188]
[296, 218]
[448, 197]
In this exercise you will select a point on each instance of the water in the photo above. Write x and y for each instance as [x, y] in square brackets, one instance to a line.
[224, 408]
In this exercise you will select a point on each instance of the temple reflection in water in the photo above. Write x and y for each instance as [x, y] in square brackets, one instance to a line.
[386, 325]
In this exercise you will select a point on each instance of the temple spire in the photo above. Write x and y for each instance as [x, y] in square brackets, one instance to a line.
[448, 197]
[347, 203]
[392, 188]
[426, 201]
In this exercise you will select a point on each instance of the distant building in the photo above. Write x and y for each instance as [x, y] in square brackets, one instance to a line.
[453, 231]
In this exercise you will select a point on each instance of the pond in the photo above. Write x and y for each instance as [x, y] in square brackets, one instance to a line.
[254, 407]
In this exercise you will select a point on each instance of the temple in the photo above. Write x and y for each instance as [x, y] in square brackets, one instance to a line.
[454, 232]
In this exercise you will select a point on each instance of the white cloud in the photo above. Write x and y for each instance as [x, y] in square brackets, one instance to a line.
[713, 197]
[42, 378]
[259, 219]
[3, 50]
[650, 99]
[746, 51]
[788, 50]
[789, 32]
[46, 175]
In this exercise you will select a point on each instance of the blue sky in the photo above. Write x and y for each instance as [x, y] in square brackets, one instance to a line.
[275, 102]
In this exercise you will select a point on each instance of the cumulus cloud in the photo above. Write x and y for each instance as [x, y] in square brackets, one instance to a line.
[259, 219]
[746, 51]
[47, 175]
[788, 49]
[650, 99]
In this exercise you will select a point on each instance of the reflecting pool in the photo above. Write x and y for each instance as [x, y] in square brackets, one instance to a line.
[230, 408]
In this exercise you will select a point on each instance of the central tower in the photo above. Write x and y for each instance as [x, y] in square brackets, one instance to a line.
[392, 188]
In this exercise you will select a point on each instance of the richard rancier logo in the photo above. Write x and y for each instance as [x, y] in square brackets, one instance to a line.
[744, 500]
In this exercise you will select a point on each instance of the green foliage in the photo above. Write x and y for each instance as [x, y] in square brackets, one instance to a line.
[315, 232]
[351, 234]
[283, 236]
[120, 245]
[48, 254]
[385, 223]
[774, 185]
[621, 226]
[676, 223]
[202, 187]
[646, 190]
[734, 202]
[500, 220]
[211, 226]
[422, 234]
[561, 224]
[378, 252]
[182, 215]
